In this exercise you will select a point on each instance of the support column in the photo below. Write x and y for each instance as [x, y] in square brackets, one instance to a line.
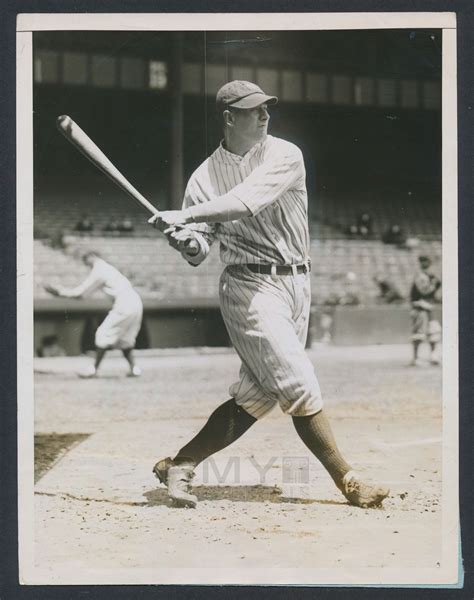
[177, 145]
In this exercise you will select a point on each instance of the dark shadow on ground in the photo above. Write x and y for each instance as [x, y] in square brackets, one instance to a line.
[51, 447]
[237, 493]
[67, 376]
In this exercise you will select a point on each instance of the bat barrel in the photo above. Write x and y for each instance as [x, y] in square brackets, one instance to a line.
[73, 133]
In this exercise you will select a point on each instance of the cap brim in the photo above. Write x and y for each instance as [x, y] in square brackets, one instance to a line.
[254, 100]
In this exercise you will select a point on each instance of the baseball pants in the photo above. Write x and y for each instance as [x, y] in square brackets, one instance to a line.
[424, 327]
[120, 327]
[267, 319]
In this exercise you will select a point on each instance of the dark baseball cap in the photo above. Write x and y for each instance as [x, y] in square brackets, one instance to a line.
[242, 94]
[424, 259]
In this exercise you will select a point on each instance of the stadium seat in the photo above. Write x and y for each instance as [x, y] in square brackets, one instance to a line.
[160, 273]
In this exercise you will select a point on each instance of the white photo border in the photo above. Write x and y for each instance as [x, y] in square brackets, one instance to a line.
[449, 573]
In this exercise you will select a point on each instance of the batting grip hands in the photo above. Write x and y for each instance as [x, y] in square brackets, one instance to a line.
[168, 222]
[172, 223]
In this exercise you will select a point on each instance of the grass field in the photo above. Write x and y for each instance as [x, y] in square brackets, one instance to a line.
[264, 502]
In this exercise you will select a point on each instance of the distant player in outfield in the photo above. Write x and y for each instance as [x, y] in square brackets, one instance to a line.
[250, 194]
[423, 295]
[122, 324]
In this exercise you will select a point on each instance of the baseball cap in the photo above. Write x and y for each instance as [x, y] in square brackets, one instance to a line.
[242, 94]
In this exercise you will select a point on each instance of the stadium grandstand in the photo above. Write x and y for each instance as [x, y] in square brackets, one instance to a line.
[364, 107]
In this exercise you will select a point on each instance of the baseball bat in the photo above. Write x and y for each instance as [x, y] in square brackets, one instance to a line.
[74, 134]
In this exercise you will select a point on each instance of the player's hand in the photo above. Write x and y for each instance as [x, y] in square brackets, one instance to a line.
[183, 240]
[52, 289]
[168, 220]
[423, 305]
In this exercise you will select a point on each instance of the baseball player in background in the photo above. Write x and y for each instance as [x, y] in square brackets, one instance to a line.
[120, 327]
[250, 194]
[423, 295]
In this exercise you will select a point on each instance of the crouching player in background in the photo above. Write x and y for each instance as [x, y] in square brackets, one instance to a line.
[120, 327]
[424, 293]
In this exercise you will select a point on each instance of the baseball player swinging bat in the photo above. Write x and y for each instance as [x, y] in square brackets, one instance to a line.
[84, 144]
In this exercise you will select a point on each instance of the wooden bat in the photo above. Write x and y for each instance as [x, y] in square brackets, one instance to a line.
[73, 133]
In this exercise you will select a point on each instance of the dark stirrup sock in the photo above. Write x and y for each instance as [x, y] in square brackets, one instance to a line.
[316, 433]
[225, 425]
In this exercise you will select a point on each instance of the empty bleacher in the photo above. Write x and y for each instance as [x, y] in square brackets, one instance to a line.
[56, 212]
[54, 266]
[416, 208]
[340, 266]
[159, 273]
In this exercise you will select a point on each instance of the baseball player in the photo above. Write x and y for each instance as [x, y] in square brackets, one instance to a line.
[250, 194]
[422, 295]
[388, 291]
[120, 327]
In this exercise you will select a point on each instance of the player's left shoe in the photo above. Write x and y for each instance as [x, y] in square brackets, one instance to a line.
[360, 493]
[88, 372]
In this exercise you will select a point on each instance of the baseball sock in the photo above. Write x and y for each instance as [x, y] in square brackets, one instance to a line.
[416, 346]
[99, 355]
[225, 425]
[128, 354]
[316, 433]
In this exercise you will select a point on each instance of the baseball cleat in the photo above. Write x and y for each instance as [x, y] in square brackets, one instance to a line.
[88, 372]
[161, 469]
[177, 478]
[179, 486]
[135, 372]
[359, 493]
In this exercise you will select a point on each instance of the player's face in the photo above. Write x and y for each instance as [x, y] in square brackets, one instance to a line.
[251, 124]
[425, 265]
[88, 260]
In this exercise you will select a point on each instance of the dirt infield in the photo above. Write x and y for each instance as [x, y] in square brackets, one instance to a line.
[264, 502]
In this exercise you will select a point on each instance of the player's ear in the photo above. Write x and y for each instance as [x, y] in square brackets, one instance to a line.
[228, 117]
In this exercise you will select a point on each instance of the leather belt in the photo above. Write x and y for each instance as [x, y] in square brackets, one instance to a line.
[279, 269]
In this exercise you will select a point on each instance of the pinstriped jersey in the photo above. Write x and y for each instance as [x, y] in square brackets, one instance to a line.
[270, 181]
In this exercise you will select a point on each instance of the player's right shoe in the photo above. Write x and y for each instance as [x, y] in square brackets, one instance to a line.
[161, 469]
[178, 480]
[359, 493]
[88, 372]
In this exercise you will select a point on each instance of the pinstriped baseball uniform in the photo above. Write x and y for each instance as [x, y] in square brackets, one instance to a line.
[266, 315]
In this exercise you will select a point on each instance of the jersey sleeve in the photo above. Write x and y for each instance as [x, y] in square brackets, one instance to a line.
[283, 169]
[92, 282]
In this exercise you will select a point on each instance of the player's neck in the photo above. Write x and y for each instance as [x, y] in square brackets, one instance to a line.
[238, 145]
